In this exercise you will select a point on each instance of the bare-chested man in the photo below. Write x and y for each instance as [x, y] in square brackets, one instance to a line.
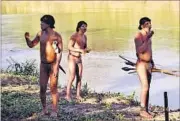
[77, 46]
[145, 62]
[51, 47]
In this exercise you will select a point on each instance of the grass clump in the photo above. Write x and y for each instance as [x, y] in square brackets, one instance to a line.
[17, 105]
[25, 70]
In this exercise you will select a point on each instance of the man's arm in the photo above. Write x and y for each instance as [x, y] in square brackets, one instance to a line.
[85, 46]
[87, 50]
[33, 42]
[60, 47]
[150, 34]
[58, 54]
[152, 62]
[71, 44]
[141, 46]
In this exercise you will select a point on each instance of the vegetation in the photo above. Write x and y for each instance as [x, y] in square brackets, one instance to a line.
[20, 101]
[25, 71]
[27, 68]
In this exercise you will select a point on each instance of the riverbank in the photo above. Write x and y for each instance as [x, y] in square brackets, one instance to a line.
[20, 101]
[102, 72]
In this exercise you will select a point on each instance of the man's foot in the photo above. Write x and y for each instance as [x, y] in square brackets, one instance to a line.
[44, 112]
[145, 114]
[68, 99]
[79, 98]
[54, 114]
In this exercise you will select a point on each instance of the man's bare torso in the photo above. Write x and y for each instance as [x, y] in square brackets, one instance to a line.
[79, 43]
[147, 55]
[47, 52]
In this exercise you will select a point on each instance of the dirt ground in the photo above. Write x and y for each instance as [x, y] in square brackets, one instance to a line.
[20, 101]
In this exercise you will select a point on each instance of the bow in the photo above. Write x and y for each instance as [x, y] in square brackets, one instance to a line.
[133, 64]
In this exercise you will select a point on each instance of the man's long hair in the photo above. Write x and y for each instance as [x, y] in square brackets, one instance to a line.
[48, 19]
[142, 21]
[80, 23]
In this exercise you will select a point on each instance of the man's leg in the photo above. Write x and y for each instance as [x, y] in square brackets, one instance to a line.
[78, 82]
[142, 73]
[77, 75]
[72, 68]
[149, 82]
[54, 92]
[43, 85]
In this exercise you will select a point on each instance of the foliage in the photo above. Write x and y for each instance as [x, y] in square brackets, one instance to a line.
[27, 69]
[17, 105]
[85, 89]
[24, 103]
[120, 116]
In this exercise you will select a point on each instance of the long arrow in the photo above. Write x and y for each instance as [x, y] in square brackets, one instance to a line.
[128, 62]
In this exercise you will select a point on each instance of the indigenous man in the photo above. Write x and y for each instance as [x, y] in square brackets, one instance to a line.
[77, 46]
[145, 62]
[51, 47]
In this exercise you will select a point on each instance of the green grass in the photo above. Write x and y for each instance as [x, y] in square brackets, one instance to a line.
[20, 100]
[17, 105]
[27, 68]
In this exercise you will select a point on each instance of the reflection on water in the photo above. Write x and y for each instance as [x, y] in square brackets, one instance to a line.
[111, 29]
[111, 25]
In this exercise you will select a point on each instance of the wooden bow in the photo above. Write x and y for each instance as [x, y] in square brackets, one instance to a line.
[133, 64]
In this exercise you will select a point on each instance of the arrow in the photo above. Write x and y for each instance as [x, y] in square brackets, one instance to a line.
[62, 69]
[128, 62]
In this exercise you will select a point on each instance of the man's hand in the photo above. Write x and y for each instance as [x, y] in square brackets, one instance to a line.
[55, 70]
[26, 35]
[55, 74]
[150, 34]
[84, 51]
[153, 65]
[31, 43]
[87, 50]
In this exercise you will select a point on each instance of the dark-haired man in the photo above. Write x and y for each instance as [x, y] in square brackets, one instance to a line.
[145, 62]
[51, 47]
[77, 46]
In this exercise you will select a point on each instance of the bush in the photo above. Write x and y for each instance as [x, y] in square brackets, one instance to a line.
[28, 68]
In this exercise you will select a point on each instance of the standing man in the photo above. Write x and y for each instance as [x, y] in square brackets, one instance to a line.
[51, 47]
[145, 62]
[77, 46]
